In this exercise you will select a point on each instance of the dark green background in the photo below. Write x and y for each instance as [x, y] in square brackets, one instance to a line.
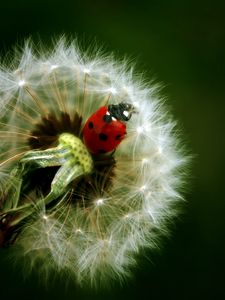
[182, 44]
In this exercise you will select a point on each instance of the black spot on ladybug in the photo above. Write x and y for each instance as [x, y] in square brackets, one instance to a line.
[107, 118]
[103, 137]
[90, 125]
[118, 137]
[101, 151]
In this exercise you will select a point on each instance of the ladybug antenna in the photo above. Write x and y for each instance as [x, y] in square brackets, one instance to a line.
[122, 111]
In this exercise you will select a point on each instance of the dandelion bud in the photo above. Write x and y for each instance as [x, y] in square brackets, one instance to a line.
[90, 165]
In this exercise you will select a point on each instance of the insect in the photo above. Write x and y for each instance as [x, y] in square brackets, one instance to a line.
[102, 133]
[105, 129]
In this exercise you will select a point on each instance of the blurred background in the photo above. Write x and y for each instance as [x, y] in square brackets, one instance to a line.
[182, 45]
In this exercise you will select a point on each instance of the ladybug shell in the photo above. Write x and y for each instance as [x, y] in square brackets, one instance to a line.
[102, 133]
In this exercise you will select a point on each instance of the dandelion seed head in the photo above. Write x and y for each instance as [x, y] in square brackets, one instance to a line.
[86, 71]
[112, 90]
[96, 227]
[143, 188]
[136, 104]
[160, 150]
[53, 67]
[144, 161]
[21, 83]
[140, 129]
[99, 202]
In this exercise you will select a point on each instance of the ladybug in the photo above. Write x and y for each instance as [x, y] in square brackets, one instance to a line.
[105, 129]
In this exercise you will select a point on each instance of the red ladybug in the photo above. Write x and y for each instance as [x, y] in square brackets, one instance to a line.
[105, 129]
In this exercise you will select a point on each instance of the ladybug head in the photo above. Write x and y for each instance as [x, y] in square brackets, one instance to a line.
[122, 111]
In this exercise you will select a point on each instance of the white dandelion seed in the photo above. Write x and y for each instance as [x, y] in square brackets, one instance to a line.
[100, 220]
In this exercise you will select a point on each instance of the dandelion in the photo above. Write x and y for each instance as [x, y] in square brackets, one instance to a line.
[66, 205]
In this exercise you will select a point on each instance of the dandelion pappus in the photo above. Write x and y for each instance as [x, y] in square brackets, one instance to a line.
[62, 214]
[102, 133]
